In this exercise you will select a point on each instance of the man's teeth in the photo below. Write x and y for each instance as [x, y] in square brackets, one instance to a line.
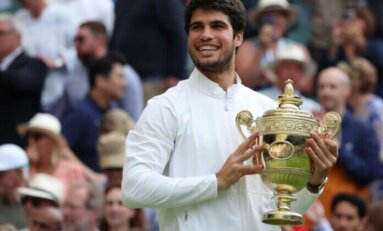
[208, 48]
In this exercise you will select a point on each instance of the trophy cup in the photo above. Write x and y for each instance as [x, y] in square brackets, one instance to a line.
[283, 132]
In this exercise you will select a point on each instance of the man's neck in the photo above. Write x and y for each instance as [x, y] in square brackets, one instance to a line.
[224, 79]
[100, 98]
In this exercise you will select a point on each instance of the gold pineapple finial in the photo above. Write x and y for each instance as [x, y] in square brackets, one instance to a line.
[289, 89]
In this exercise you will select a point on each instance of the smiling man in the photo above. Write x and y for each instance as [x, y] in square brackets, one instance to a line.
[185, 155]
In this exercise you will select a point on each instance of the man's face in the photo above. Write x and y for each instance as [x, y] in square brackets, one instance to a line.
[332, 90]
[86, 43]
[75, 212]
[211, 41]
[115, 83]
[288, 69]
[9, 39]
[345, 218]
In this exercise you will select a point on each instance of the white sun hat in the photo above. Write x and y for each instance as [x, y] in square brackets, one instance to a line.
[41, 122]
[12, 157]
[273, 5]
[297, 54]
[43, 186]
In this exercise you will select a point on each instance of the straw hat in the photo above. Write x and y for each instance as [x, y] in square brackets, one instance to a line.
[273, 5]
[111, 150]
[42, 122]
[297, 54]
[12, 157]
[43, 186]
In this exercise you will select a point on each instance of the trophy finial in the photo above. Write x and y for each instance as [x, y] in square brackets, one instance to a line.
[289, 89]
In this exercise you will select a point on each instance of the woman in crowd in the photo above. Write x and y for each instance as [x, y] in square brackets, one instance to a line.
[117, 217]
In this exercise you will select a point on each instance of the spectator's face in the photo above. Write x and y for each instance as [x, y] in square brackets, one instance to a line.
[288, 70]
[32, 203]
[332, 90]
[39, 147]
[9, 181]
[86, 43]
[76, 214]
[211, 41]
[115, 84]
[345, 218]
[278, 20]
[115, 212]
[9, 39]
[46, 219]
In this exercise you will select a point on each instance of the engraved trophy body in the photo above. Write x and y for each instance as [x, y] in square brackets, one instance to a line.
[283, 132]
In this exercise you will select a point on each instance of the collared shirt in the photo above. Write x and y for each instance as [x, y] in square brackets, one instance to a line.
[181, 140]
[308, 104]
[9, 59]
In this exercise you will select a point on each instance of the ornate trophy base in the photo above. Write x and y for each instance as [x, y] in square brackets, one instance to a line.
[282, 218]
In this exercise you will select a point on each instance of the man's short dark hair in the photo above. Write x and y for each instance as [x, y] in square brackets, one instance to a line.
[232, 8]
[96, 27]
[103, 66]
[353, 200]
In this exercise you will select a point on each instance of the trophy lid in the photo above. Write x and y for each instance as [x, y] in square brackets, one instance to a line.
[288, 105]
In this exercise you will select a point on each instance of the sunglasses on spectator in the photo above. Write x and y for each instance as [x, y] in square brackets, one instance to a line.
[37, 202]
[79, 39]
[34, 135]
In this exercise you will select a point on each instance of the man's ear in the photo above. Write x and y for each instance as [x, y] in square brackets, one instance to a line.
[238, 39]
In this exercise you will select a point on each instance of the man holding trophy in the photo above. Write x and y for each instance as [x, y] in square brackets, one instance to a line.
[186, 157]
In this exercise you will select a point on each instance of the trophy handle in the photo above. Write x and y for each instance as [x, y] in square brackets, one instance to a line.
[245, 118]
[331, 121]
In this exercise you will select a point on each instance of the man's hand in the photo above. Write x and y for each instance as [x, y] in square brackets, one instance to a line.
[234, 168]
[324, 153]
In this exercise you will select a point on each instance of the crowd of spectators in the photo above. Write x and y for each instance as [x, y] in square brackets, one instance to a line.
[75, 76]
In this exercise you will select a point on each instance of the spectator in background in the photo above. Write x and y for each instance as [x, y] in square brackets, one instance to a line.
[151, 36]
[91, 43]
[13, 164]
[273, 19]
[48, 32]
[46, 219]
[375, 221]
[82, 207]
[42, 191]
[48, 151]
[118, 217]
[348, 213]
[291, 63]
[90, 10]
[80, 124]
[21, 82]
[116, 120]
[351, 38]
[357, 165]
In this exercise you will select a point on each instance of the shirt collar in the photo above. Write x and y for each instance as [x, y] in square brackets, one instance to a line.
[212, 88]
[9, 59]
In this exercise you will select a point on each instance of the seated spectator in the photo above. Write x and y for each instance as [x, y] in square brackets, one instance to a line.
[117, 216]
[91, 44]
[273, 19]
[356, 166]
[47, 33]
[80, 124]
[82, 207]
[46, 219]
[42, 191]
[351, 38]
[44, 148]
[13, 163]
[21, 81]
[291, 63]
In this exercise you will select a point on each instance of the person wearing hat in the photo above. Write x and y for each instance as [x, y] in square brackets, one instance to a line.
[48, 151]
[13, 161]
[291, 63]
[272, 17]
[116, 120]
[43, 190]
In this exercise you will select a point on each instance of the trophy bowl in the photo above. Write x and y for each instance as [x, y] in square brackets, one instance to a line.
[283, 133]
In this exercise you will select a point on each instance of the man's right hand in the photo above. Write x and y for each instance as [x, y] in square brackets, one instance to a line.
[234, 168]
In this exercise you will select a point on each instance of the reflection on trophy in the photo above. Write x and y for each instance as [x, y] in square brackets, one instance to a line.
[283, 132]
